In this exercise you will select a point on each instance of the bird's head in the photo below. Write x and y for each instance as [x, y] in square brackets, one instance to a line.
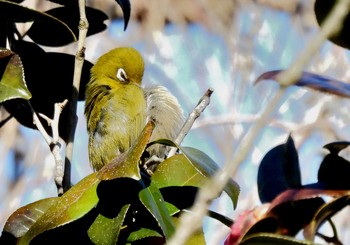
[124, 65]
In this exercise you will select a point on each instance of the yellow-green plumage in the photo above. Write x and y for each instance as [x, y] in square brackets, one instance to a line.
[115, 106]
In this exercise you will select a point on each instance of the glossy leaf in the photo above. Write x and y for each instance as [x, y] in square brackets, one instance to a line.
[326, 212]
[17, 13]
[142, 234]
[72, 205]
[322, 9]
[271, 238]
[197, 238]
[125, 5]
[208, 167]
[278, 171]
[106, 230]
[12, 83]
[23, 218]
[314, 81]
[127, 164]
[70, 16]
[177, 171]
[152, 199]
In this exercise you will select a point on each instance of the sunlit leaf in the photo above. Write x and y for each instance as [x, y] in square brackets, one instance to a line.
[125, 5]
[271, 238]
[12, 83]
[208, 167]
[326, 212]
[23, 218]
[72, 205]
[152, 199]
[278, 171]
[106, 230]
[197, 238]
[127, 164]
[143, 233]
[314, 81]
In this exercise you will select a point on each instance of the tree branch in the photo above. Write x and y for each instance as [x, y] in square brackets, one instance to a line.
[79, 61]
[191, 221]
[202, 104]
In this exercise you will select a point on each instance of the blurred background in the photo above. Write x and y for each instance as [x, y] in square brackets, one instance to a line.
[190, 46]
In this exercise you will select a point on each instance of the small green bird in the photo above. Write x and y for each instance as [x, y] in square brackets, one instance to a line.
[117, 107]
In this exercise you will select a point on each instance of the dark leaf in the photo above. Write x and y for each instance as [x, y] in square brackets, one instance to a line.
[12, 83]
[322, 9]
[152, 199]
[44, 72]
[314, 81]
[125, 5]
[278, 171]
[271, 238]
[325, 213]
[334, 169]
[182, 197]
[70, 16]
[16, 13]
[115, 194]
[127, 164]
[293, 216]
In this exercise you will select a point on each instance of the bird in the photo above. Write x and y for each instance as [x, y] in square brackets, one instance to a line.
[118, 106]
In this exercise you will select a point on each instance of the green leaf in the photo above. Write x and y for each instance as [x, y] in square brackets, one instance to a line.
[23, 218]
[177, 171]
[12, 84]
[127, 164]
[152, 199]
[143, 233]
[106, 230]
[72, 205]
[271, 238]
[208, 167]
[278, 171]
[326, 212]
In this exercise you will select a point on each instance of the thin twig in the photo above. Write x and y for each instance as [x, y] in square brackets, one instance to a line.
[202, 104]
[78, 66]
[53, 142]
[191, 221]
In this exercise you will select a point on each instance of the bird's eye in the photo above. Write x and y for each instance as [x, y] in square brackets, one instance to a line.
[121, 75]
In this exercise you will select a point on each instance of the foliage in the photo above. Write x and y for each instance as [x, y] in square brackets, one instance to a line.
[121, 203]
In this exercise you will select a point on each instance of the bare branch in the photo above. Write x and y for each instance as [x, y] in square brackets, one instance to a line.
[202, 104]
[191, 221]
[79, 61]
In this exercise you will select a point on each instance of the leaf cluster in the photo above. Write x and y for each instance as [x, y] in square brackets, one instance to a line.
[121, 203]
[47, 75]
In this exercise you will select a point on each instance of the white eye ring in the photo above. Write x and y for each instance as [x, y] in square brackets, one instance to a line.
[121, 75]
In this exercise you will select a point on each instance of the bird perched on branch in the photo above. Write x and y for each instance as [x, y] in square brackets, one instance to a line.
[117, 107]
